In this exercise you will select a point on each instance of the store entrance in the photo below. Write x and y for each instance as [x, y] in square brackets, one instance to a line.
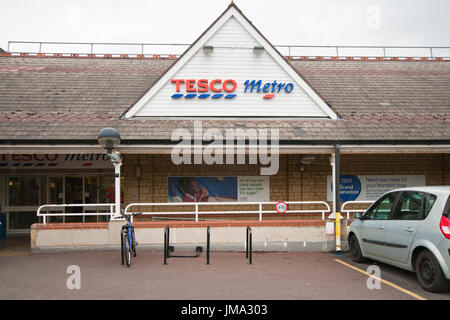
[74, 195]
[25, 193]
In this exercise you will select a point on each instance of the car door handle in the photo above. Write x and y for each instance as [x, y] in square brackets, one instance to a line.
[410, 230]
[380, 227]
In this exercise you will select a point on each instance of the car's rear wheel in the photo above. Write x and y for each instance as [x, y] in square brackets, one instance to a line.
[429, 273]
[355, 249]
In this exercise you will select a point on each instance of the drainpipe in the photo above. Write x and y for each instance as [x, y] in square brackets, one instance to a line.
[336, 177]
[337, 200]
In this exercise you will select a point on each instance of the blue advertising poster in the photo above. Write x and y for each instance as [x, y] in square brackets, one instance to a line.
[350, 188]
[202, 189]
[371, 187]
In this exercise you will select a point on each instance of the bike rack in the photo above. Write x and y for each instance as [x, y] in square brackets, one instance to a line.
[168, 248]
[248, 245]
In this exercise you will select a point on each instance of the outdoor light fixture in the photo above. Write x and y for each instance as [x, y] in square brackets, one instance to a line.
[109, 138]
[258, 49]
[307, 160]
[208, 49]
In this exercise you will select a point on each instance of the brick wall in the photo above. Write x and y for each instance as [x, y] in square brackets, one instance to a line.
[289, 184]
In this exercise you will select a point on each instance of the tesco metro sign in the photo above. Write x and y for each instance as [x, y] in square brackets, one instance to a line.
[219, 88]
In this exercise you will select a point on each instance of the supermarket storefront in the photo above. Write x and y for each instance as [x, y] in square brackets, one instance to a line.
[30, 180]
[231, 79]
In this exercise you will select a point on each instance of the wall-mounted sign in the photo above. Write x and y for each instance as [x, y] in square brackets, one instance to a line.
[55, 161]
[281, 207]
[218, 189]
[371, 187]
[218, 88]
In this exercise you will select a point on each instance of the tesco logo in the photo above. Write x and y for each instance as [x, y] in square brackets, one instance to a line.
[218, 88]
[203, 85]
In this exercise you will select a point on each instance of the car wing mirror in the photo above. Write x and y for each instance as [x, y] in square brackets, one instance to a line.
[359, 216]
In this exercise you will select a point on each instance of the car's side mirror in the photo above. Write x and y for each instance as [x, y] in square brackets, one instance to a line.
[359, 216]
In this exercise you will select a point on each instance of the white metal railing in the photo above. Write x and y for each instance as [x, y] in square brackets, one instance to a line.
[51, 208]
[176, 49]
[196, 205]
[348, 211]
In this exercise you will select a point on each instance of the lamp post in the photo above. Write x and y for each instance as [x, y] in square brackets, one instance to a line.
[109, 138]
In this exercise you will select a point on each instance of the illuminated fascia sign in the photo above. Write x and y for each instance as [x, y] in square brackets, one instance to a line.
[218, 88]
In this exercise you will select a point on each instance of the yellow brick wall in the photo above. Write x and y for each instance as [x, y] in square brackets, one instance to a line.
[289, 184]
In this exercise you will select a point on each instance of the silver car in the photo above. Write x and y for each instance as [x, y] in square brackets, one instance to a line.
[408, 228]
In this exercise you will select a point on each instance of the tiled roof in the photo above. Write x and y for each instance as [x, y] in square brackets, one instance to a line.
[74, 98]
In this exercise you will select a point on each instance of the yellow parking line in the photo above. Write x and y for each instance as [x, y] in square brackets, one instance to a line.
[412, 294]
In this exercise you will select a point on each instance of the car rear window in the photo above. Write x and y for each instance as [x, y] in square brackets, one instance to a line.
[446, 212]
[428, 202]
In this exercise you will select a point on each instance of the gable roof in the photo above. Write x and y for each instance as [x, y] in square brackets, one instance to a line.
[69, 100]
[318, 106]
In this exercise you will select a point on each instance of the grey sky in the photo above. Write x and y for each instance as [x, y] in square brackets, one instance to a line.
[318, 22]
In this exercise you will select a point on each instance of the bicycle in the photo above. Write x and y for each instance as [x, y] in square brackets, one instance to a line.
[128, 241]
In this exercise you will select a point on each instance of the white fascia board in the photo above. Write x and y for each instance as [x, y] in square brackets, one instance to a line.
[286, 67]
[199, 44]
[283, 149]
[179, 64]
[369, 149]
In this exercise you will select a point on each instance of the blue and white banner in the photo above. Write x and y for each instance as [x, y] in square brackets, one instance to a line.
[371, 187]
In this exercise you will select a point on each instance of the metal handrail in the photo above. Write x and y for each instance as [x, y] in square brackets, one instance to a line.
[196, 206]
[289, 47]
[348, 211]
[62, 206]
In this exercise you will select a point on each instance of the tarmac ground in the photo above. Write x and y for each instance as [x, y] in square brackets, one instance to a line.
[98, 275]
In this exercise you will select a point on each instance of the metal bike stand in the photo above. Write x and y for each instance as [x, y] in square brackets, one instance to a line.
[248, 245]
[168, 248]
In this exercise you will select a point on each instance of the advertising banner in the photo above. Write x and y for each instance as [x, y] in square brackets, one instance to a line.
[218, 189]
[371, 187]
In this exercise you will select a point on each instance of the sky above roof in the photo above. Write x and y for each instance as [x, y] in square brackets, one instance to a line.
[318, 22]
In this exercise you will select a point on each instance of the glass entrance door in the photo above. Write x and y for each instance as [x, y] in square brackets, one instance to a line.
[74, 193]
[24, 196]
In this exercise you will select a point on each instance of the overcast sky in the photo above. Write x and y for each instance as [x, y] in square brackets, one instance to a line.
[311, 22]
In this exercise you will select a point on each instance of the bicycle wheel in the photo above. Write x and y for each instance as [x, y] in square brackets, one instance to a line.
[122, 247]
[126, 249]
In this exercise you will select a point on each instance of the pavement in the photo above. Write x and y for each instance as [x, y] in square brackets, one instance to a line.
[95, 275]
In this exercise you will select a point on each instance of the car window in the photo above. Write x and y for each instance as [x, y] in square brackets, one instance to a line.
[428, 202]
[447, 208]
[382, 208]
[409, 206]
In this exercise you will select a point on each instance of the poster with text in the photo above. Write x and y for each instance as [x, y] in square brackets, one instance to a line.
[218, 189]
[202, 189]
[371, 187]
[254, 189]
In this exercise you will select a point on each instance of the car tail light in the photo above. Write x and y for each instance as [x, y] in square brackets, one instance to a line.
[445, 226]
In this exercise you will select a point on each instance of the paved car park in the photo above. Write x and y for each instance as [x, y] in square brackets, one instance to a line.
[273, 275]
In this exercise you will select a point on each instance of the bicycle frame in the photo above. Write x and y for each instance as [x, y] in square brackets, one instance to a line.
[128, 230]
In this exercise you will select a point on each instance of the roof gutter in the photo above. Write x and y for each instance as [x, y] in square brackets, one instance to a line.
[285, 146]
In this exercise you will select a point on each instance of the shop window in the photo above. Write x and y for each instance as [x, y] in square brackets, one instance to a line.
[23, 191]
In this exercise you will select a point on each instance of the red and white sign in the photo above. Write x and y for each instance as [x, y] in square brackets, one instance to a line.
[281, 207]
[55, 161]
